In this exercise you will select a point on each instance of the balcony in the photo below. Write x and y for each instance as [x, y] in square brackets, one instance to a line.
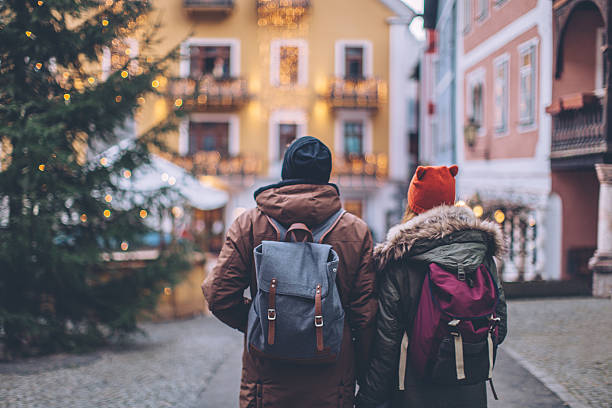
[208, 6]
[368, 93]
[281, 13]
[578, 130]
[209, 93]
[360, 169]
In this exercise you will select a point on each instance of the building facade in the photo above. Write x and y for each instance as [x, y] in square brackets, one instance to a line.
[488, 93]
[581, 153]
[256, 74]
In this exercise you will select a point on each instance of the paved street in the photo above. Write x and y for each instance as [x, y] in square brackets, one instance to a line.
[196, 363]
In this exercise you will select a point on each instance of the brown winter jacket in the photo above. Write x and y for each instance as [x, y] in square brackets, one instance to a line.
[267, 383]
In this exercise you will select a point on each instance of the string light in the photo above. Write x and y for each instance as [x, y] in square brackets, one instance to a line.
[83, 217]
[167, 291]
[164, 177]
[38, 65]
[143, 214]
[124, 74]
[124, 246]
[155, 83]
[66, 97]
[40, 2]
[171, 181]
[478, 211]
[460, 203]
[108, 198]
[105, 22]
[28, 33]
[103, 161]
[499, 216]
[177, 212]
[141, 100]
[127, 174]
[178, 103]
[118, 98]
[41, 167]
[91, 80]
[107, 213]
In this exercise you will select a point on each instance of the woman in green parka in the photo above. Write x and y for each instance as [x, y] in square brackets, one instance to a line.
[433, 230]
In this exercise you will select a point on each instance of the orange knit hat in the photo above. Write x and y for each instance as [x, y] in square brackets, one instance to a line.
[431, 187]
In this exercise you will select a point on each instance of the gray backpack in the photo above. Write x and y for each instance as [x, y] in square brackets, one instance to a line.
[297, 314]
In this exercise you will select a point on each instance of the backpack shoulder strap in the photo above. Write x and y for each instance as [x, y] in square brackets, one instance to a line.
[320, 232]
[281, 232]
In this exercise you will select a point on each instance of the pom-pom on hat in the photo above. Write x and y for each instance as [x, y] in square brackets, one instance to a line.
[431, 187]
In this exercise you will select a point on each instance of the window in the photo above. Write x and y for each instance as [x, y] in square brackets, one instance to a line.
[527, 85]
[121, 54]
[353, 138]
[209, 60]
[467, 15]
[353, 62]
[289, 63]
[209, 137]
[289, 57]
[353, 59]
[287, 133]
[475, 104]
[601, 72]
[483, 9]
[501, 95]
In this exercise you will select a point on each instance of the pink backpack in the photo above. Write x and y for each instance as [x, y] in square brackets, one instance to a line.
[454, 337]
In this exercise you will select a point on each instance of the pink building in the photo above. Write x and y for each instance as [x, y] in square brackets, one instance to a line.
[581, 145]
[504, 71]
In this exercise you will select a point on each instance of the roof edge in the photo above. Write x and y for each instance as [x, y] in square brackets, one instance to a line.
[400, 8]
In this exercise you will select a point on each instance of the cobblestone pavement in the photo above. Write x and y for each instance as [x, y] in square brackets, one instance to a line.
[196, 364]
[569, 341]
[173, 367]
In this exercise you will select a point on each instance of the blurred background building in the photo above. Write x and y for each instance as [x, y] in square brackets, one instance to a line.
[515, 92]
[255, 75]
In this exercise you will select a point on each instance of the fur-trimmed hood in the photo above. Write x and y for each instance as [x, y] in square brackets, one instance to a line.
[434, 225]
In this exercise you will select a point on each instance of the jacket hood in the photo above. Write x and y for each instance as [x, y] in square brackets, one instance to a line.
[454, 228]
[311, 204]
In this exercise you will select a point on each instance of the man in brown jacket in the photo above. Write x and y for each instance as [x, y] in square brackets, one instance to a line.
[304, 195]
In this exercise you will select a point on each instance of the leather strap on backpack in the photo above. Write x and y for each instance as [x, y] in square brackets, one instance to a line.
[318, 320]
[272, 312]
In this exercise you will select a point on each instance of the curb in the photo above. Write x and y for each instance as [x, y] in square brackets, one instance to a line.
[546, 379]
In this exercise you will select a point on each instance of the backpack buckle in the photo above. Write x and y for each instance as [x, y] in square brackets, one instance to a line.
[271, 314]
[461, 273]
[319, 321]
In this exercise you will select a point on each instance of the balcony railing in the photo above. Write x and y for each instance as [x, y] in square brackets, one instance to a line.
[213, 163]
[281, 12]
[367, 93]
[209, 93]
[208, 5]
[372, 166]
[578, 127]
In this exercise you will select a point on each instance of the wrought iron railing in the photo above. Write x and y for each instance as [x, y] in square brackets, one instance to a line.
[366, 93]
[213, 163]
[208, 5]
[366, 166]
[209, 93]
[580, 130]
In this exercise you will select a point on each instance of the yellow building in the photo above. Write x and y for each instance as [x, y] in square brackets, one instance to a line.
[255, 74]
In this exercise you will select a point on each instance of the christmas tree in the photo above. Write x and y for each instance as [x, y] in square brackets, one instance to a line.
[71, 79]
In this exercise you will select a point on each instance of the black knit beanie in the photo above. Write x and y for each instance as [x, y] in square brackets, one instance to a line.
[309, 159]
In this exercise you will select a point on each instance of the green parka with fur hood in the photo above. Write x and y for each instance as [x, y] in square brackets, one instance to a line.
[448, 236]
